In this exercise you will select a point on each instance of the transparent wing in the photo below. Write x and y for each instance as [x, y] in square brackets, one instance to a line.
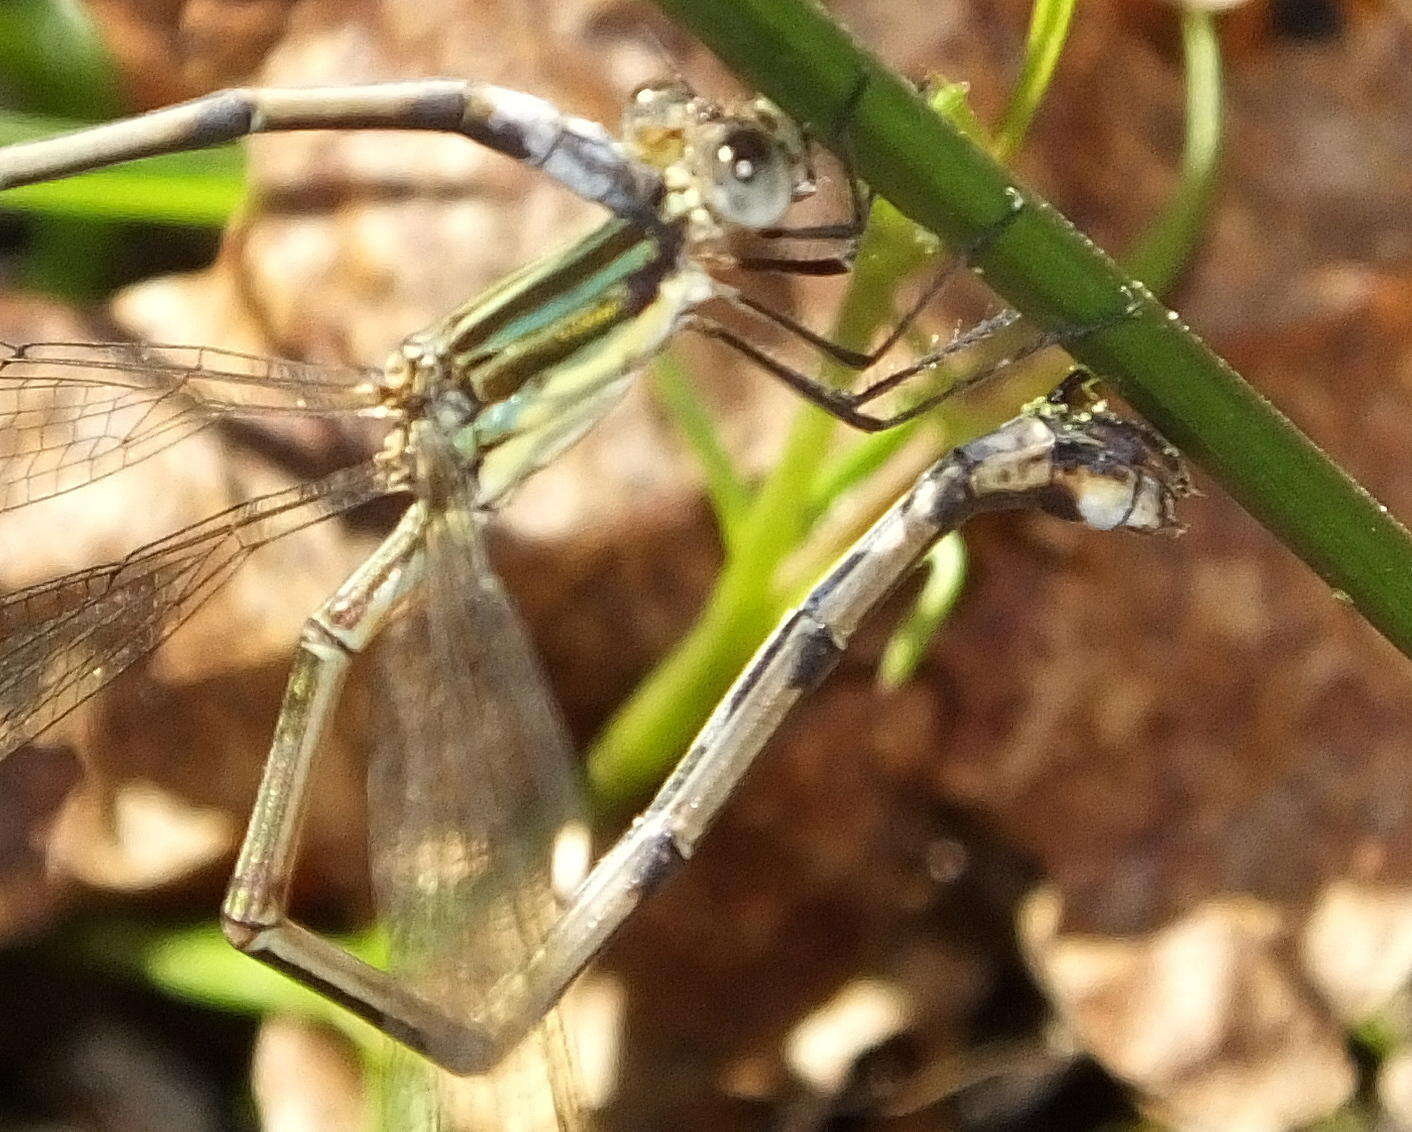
[472, 788]
[63, 640]
[73, 412]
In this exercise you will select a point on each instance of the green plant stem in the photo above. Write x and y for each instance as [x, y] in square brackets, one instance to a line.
[1049, 28]
[1052, 273]
[654, 727]
[1163, 252]
[201, 188]
[724, 487]
[945, 567]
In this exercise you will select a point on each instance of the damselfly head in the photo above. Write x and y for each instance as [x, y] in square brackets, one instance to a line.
[746, 163]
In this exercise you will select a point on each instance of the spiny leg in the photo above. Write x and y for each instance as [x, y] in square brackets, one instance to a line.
[864, 359]
[1089, 467]
[847, 405]
[255, 913]
[578, 153]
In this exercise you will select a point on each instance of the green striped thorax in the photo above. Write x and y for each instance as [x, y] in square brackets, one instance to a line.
[516, 375]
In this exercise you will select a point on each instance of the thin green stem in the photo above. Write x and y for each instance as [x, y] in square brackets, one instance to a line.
[652, 729]
[724, 487]
[945, 567]
[1049, 29]
[1159, 258]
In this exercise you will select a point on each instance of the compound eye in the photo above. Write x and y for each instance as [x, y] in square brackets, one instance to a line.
[750, 176]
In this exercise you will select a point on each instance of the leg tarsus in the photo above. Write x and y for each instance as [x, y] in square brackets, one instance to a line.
[862, 360]
[830, 400]
[845, 405]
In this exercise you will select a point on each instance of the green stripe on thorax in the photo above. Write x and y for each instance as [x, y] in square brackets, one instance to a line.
[552, 308]
[547, 352]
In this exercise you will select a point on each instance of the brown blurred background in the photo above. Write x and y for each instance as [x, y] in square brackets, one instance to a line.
[1134, 845]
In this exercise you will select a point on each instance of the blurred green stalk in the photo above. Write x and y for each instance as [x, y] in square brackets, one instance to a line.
[201, 188]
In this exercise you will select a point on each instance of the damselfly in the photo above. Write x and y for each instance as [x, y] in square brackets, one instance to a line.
[476, 403]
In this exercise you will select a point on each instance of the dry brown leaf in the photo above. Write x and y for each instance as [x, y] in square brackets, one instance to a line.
[1205, 1016]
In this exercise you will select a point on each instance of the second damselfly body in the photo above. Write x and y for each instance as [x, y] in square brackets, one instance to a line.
[475, 404]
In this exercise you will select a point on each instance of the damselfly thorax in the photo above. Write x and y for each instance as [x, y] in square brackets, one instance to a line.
[516, 375]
